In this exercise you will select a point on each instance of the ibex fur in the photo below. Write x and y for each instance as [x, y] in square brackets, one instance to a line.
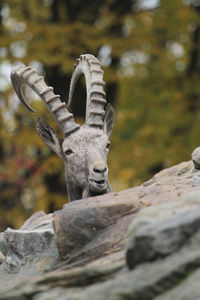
[83, 149]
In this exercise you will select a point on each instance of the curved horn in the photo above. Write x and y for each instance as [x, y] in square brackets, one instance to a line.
[26, 75]
[90, 66]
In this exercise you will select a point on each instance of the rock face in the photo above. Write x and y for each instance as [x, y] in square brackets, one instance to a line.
[29, 251]
[165, 228]
[142, 243]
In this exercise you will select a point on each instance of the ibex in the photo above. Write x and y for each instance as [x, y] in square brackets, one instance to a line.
[83, 149]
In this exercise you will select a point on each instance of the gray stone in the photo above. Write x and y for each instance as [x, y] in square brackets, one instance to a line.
[187, 289]
[162, 237]
[30, 249]
[91, 236]
[2, 257]
[196, 158]
[26, 246]
[144, 282]
[3, 244]
[38, 220]
[54, 283]
[92, 227]
[88, 229]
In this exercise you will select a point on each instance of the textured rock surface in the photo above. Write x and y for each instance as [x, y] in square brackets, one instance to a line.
[28, 251]
[163, 229]
[93, 227]
[186, 289]
[143, 243]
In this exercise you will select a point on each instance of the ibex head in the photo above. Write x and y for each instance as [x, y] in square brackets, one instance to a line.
[83, 149]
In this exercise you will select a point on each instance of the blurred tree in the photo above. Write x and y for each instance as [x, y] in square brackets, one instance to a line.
[151, 57]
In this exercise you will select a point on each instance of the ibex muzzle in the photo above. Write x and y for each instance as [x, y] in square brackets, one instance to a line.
[98, 176]
[84, 149]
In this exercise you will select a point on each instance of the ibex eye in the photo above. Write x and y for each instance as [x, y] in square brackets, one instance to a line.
[68, 152]
[108, 145]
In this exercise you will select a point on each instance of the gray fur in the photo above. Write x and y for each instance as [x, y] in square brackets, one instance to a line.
[84, 149]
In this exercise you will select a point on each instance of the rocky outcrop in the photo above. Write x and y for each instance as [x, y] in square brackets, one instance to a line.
[142, 243]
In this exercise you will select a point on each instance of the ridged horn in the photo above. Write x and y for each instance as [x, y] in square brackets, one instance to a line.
[90, 66]
[26, 75]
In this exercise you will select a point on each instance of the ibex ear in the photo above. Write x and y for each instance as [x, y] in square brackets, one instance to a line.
[109, 119]
[48, 135]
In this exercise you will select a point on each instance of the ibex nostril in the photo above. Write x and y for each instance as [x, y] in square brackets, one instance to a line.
[96, 170]
[105, 169]
[100, 170]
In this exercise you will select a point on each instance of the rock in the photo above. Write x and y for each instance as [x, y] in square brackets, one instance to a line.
[57, 282]
[89, 228]
[187, 289]
[26, 246]
[2, 257]
[3, 244]
[30, 249]
[141, 243]
[196, 158]
[182, 173]
[163, 229]
[39, 220]
[144, 282]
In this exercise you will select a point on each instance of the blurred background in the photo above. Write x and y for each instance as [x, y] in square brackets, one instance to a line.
[150, 53]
